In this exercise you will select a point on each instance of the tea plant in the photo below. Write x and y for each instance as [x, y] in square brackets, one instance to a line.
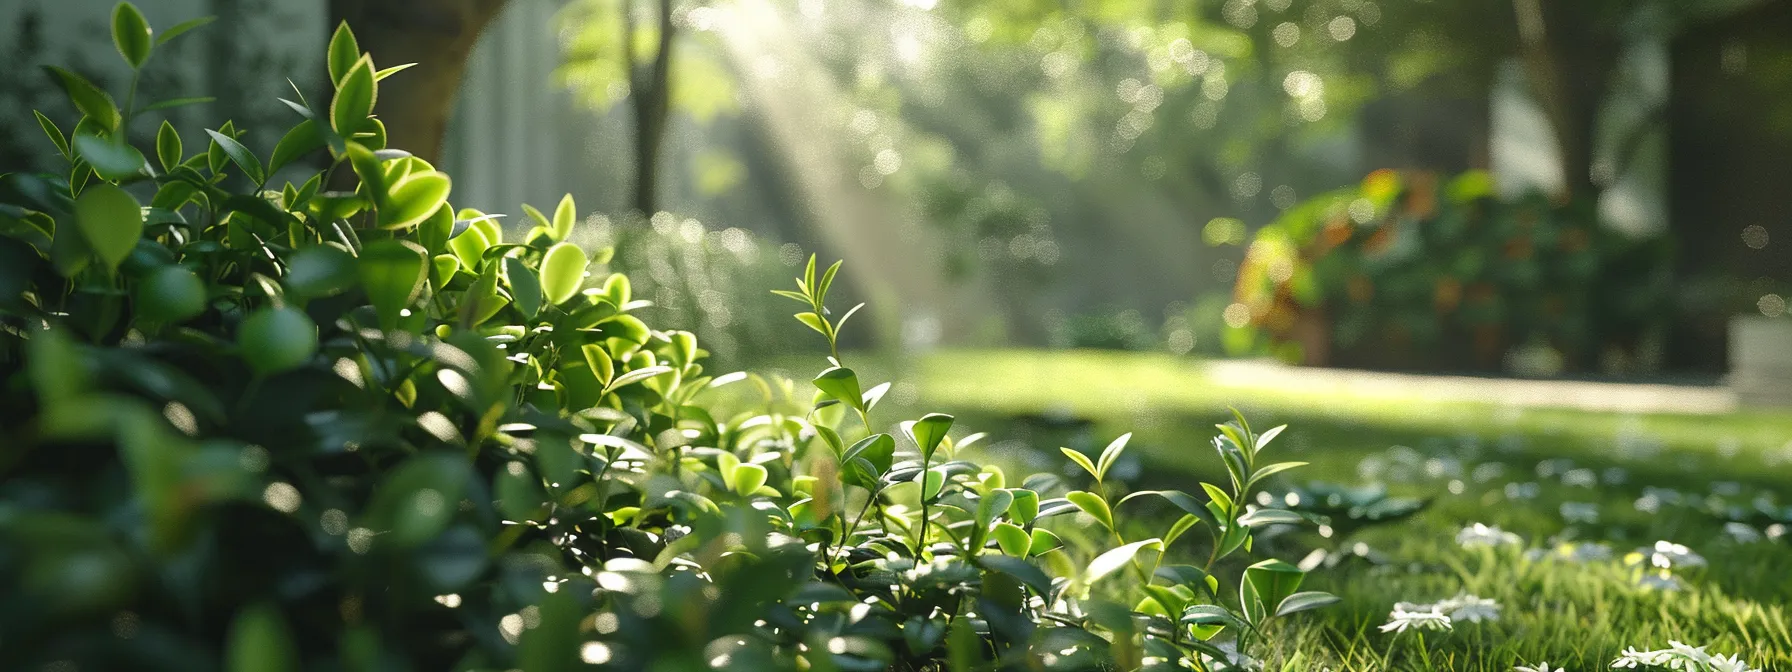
[347, 424]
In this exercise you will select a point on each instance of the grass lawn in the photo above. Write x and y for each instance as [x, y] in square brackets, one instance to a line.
[1628, 480]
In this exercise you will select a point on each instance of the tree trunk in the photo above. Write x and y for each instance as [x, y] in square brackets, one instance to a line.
[1569, 55]
[437, 35]
[650, 91]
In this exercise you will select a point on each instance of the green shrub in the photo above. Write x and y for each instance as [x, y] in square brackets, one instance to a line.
[344, 425]
[1405, 271]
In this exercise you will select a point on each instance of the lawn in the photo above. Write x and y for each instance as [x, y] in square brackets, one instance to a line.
[1714, 482]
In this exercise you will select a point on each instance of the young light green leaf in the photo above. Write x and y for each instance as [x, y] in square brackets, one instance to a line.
[414, 198]
[343, 52]
[388, 72]
[470, 248]
[1093, 505]
[1189, 575]
[1115, 558]
[815, 322]
[928, 431]
[392, 273]
[239, 155]
[1025, 507]
[168, 149]
[89, 99]
[636, 376]
[842, 385]
[1271, 470]
[1044, 541]
[111, 221]
[130, 33]
[1082, 461]
[183, 27]
[55, 133]
[356, 94]
[1263, 517]
[1109, 454]
[564, 217]
[1305, 601]
[1012, 539]
[1218, 495]
[746, 479]
[1182, 525]
[1264, 438]
[562, 271]
[598, 358]
[300, 140]
[178, 102]
[991, 505]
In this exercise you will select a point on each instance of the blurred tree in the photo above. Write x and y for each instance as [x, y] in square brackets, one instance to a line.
[617, 49]
[438, 36]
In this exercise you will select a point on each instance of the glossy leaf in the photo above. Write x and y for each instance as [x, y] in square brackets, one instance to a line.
[111, 222]
[562, 272]
[89, 99]
[239, 155]
[525, 288]
[355, 96]
[392, 272]
[168, 148]
[1115, 558]
[1093, 505]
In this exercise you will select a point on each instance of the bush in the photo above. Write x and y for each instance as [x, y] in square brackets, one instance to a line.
[1404, 272]
[352, 427]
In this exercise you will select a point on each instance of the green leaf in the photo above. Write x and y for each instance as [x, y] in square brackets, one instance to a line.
[1012, 539]
[1026, 572]
[260, 640]
[419, 498]
[178, 102]
[355, 96]
[169, 295]
[562, 271]
[600, 362]
[239, 155]
[130, 33]
[392, 272]
[815, 322]
[319, 270]
[470, 248]
[1264, 438]
[1182, 525]
[1305, 601]
[746, 479]
[1025, 507]
[1109, 454]
[564, 217]
[276, 339]
[388, 72]
[1189, 575]
[445, 266]
[168, 149]
[183, 27]
[1115, 558]
[842, 385]
[525, 288]
[1044, 541]
[343, 52]
[111, 222]
[112, 161]
[89, 99]
[878, 452]
[1262, 517]
[300, 140]
[55, 133]
[1267, 583]
[482, 301]
[1082, 461]
[1218, 496]
[637, 376]
[1270, 470]
[928, 432]
[414, 198]
[1180, 499]
[1093, 505]
[991, 505]
[933, 481]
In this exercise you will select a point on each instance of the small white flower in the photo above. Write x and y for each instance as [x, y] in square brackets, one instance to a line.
[1743, 534]
[1580, 512]
[1416, 616]
[1479, 535]
[1729, 664]
[1541, 667]
[1469, 607]
[1667, 555]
